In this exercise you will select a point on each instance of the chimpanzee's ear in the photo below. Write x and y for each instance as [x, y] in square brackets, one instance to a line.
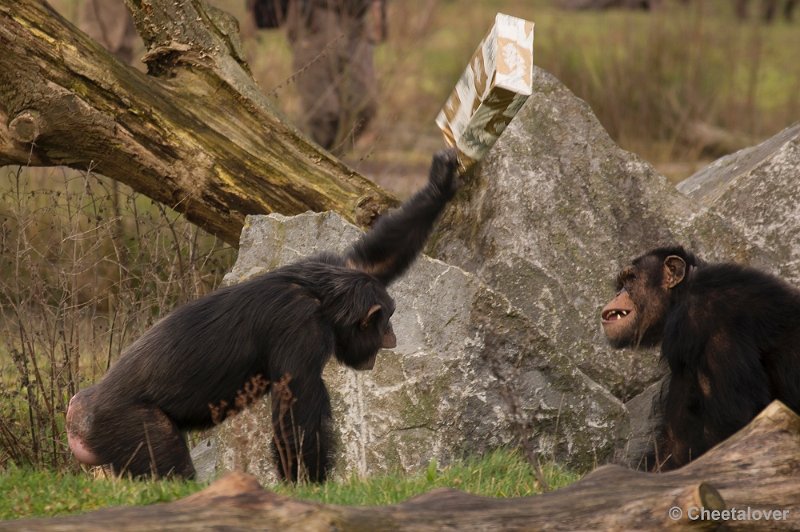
[674, 271]
[366, 319]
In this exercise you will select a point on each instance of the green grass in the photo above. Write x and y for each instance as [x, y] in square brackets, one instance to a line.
[27, 493]
[498, 474]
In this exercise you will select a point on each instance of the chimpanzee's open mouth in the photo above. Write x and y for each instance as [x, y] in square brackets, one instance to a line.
[615, 314]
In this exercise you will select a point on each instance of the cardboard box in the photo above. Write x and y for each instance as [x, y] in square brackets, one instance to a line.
[497, 81]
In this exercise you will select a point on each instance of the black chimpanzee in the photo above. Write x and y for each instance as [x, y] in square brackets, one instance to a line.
[188, 370]
[730, 335]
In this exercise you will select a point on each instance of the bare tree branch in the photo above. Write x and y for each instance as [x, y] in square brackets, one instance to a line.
[195, 133]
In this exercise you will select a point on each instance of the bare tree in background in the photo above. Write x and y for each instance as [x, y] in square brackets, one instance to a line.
[769, 9]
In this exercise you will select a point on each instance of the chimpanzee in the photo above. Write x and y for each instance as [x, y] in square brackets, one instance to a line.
[213, 356]
[729, 333]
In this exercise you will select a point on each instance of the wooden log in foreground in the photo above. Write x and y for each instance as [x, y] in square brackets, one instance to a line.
[754, 476]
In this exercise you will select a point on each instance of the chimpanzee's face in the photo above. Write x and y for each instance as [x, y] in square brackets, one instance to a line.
[358, 344]
[635, 317]
[376, 333]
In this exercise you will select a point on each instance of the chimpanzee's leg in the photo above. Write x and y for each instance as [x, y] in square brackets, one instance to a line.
[153, 445]
[135, 439]
[301, 419]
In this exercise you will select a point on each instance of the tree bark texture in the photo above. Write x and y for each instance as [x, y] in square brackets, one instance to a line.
[755, 471]
[195, 133]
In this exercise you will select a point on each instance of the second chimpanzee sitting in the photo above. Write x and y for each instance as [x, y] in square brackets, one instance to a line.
[730, 335]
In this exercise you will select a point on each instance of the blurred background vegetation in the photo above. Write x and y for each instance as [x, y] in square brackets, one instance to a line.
[87, 265]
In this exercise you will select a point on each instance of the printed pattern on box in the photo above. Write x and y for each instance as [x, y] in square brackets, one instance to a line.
[491, 90]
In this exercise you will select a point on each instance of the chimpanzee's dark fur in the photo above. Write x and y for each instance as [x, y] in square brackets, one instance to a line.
[731, 337]
[204, 354]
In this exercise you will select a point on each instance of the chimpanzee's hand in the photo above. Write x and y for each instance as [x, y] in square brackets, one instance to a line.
[444, 172]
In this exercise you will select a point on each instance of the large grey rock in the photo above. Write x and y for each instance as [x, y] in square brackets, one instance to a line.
[758, 190]
[552, 213]
[515, 351]
[470, 372]
[644, 423]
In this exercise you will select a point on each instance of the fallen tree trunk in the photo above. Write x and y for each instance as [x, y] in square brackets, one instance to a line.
[754, 476]
[195, 134]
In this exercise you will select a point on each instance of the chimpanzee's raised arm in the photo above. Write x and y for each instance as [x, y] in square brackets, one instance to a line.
[243, 340]
[390, 247]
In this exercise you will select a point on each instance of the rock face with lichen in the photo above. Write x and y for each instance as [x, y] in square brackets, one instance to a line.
[470, 372]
